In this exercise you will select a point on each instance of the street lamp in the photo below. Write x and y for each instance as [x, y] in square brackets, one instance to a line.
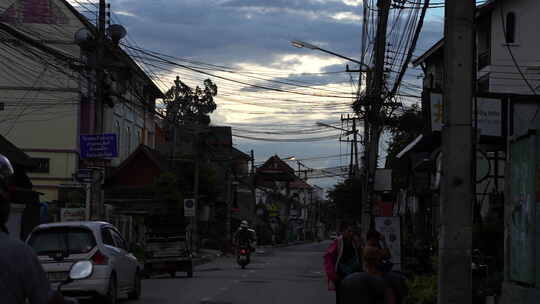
[302, 44]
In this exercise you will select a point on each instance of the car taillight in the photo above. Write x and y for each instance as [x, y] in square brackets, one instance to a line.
[243, 251]
[99, 258]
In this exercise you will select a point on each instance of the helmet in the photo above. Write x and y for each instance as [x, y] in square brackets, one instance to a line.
[6, 174]
[243, 224]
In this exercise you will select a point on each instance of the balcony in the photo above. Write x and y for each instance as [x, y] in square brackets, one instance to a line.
[484, 59]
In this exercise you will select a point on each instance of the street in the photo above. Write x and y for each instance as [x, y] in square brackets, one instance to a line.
[279, 275]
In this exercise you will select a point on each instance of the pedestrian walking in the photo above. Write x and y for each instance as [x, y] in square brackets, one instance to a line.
[373, 286]
[343, 258]
[375, 239]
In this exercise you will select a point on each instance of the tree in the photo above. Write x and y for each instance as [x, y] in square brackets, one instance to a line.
[403, 129]
[346, 197]
[167, 190]
[190, 106]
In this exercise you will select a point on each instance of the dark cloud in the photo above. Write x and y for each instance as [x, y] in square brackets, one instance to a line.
[230, 33]
[258, 32]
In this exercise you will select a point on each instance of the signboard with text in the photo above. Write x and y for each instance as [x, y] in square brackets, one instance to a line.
[489, 114]
[83, 176]
[98, 146]
[189, 207]
[390, 227]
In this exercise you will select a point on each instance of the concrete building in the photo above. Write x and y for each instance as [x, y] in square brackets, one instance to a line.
[47, 92]
[508, 80]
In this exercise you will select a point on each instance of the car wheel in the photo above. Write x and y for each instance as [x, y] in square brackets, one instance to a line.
[172, 274]
[112, 292]
[135, 294]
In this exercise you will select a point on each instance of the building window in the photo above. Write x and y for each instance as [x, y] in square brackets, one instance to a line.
[510, 28]
[42, 165]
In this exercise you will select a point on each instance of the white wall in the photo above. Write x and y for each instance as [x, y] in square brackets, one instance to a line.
[133, 126]
[504, 76]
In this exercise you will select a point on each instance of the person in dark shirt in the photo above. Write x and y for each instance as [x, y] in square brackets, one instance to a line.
[22, 278]
[372, 286]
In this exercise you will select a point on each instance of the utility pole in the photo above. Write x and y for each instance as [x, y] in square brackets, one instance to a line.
[252, 162]
[97, 212]
[353, 167]
[374, 119]
[228, 231]
[194, 228]
[355, 139]
[455, 282]
[100, 73]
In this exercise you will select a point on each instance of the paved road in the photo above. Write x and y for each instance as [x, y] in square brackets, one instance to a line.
[279, 276]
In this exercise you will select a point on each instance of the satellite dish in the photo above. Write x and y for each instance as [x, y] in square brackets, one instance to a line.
[84, 37]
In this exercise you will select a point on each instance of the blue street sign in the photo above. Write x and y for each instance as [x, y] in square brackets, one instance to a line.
[98, 146]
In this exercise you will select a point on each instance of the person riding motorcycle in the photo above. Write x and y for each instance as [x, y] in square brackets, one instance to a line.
[22, 277]
[244, 236]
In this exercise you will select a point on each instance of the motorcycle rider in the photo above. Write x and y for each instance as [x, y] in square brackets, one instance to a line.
[244, 236]
[22, 277]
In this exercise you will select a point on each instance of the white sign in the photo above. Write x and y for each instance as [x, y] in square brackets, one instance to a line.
[489, 114]
[390, 227]
[72, 214]
[189, 207]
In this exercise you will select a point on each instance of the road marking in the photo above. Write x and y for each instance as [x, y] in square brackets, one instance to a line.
[252, 271]
[244, 275]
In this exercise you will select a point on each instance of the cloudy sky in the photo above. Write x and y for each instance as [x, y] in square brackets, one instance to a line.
[268, 90]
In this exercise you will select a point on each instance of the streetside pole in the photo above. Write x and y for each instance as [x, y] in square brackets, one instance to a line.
[228, 215]
[375, 101]
[194, 226]
[455, 281]
[355, 143]
[98, 212]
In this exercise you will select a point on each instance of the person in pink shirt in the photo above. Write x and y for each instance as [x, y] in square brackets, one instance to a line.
[343, 257]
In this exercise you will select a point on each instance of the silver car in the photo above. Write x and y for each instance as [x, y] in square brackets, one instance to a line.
[116, 271]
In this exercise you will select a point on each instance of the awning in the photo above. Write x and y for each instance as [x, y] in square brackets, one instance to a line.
[422, 143]
[410, 146]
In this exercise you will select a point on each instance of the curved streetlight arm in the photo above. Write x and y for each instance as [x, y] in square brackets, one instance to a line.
[302, 44]
[322, 124]
[347, 132]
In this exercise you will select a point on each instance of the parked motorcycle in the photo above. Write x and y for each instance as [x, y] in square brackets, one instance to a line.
[79, 271]
[243, 256]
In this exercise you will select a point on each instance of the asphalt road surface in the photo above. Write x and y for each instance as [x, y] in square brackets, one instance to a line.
[276, 276]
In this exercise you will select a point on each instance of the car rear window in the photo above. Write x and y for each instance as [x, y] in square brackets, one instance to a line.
[70, 240]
